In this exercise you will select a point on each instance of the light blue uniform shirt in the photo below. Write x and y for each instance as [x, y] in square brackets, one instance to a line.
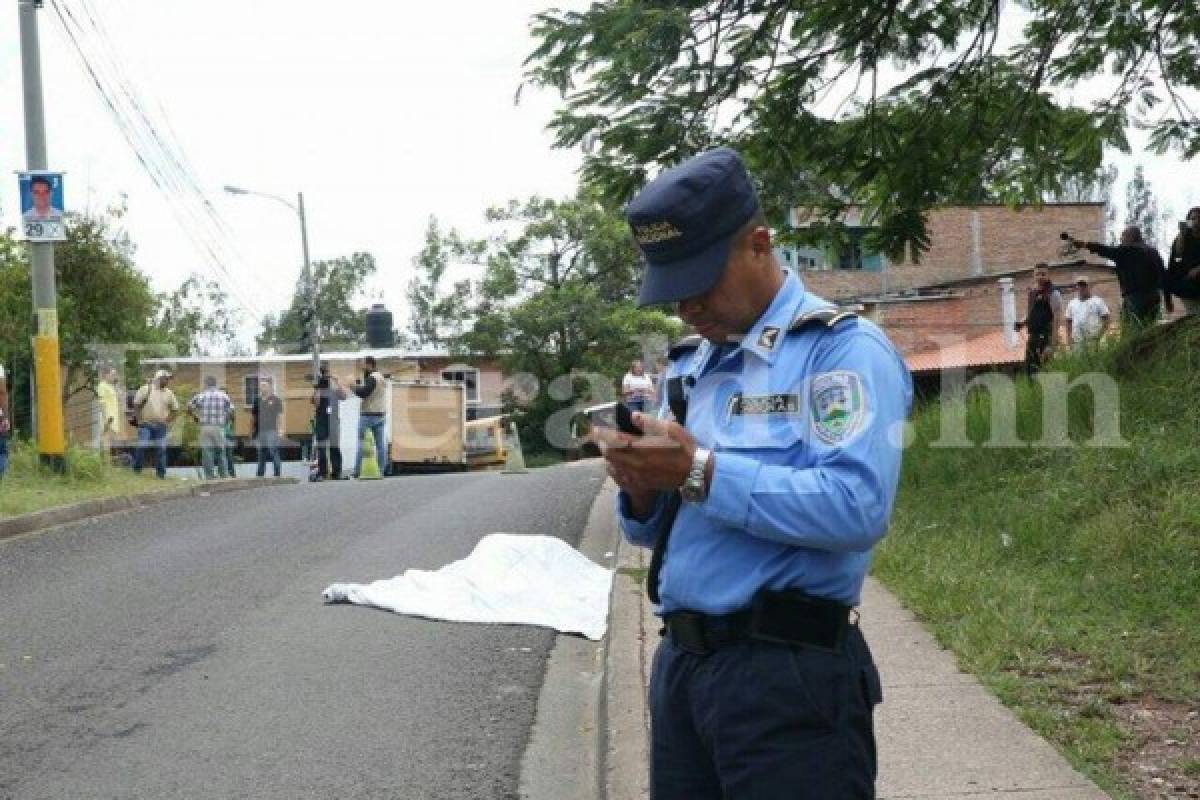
[806, 430]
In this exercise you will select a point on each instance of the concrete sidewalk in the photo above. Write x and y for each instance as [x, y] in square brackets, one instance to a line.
[940, 734]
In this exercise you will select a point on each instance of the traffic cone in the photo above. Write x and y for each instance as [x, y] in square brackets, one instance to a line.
[514, 463]
[369, 471]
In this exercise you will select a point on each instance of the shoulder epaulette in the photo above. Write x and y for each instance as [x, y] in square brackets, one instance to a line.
[828, 316]
[685, 345]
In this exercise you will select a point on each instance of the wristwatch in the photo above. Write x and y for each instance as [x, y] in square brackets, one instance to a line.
[693, 489]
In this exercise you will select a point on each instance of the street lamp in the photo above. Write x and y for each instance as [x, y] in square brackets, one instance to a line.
[309, 280]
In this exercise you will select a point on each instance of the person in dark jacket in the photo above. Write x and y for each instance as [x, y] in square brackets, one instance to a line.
[326, 427]
[1183, 271]
[5, 423]
[267, 411]
[1141, 275]
[1043, 316]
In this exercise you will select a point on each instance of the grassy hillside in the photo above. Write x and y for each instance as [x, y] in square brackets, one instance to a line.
[1068, 577]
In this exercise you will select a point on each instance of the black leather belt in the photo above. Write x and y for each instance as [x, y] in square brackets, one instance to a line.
[786, 617]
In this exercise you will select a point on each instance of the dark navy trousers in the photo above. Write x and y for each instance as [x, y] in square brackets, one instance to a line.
[762, 721]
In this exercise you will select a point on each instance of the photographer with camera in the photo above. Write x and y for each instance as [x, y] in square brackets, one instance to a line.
[1140, 274]
[1183, 272]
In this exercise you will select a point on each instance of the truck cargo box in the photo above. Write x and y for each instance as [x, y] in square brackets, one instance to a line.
[428, 422]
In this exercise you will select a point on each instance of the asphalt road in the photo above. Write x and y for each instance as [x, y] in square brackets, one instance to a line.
[184, 651]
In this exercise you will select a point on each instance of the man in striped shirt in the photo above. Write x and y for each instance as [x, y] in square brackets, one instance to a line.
[211, 409]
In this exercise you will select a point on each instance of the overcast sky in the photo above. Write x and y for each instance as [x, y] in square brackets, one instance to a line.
[382, 113]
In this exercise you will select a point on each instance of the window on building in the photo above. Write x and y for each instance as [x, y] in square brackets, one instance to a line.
[852, 255]
[250, 387]
[468, 377]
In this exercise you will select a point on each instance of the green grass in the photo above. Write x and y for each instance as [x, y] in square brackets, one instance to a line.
[26, 487]
[635, 574]
[1066, 578]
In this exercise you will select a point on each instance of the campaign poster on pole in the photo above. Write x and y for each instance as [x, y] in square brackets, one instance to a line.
[42, 206]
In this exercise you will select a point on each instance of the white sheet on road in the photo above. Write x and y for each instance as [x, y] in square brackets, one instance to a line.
[507, 579]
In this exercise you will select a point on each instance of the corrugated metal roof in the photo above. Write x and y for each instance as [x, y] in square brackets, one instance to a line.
[988, 350]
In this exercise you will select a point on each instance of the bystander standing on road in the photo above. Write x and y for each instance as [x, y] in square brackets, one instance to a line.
[1140, 274]
[156, 407]
[762, 504]
[1183, 272]
[5, 423]
[212, 410]
[637, 388]
[1043, 316]
[326, 425]
[230, 441]
[267, 411]
[373, 413]
[1087, 316]
[109, 393]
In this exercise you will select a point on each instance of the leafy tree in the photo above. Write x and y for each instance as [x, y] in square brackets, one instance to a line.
[435, 317]
[340, 286]
[103, 300]
[197, 318]
[896, 105]
[1141, 208]
[556, 301]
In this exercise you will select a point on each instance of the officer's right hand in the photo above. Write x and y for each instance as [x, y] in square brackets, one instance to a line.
[641, 499]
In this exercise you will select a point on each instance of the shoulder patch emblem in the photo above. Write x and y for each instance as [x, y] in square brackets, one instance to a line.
[768, 337]
[838, 406]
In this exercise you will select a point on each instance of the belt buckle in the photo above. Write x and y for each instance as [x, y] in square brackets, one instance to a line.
[688, 633]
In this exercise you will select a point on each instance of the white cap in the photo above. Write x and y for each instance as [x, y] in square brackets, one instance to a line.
[162, 373]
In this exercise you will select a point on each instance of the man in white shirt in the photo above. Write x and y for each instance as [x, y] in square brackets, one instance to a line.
[636, 387]
[1087, 316]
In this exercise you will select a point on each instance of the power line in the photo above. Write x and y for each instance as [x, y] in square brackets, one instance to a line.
[151, 151]
[163, 163]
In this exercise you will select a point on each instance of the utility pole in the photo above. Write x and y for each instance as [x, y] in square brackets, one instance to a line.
[51, 442]
[312, 324]
[310, 280]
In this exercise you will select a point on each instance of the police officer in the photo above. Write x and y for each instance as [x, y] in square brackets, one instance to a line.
[762, 488]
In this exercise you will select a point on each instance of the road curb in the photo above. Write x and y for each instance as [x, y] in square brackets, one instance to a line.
[40, 520]
[565, 757]
[630, 645]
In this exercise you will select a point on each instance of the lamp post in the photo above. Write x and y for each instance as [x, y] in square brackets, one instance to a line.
[314, 329]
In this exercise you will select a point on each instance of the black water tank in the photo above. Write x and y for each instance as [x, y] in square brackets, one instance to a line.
[379, 327]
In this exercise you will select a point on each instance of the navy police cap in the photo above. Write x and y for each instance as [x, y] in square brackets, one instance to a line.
[684, 222]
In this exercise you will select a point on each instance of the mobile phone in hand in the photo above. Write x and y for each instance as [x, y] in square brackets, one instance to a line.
[625, 421]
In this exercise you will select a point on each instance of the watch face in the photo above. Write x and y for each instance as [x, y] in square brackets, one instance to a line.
[690, 493]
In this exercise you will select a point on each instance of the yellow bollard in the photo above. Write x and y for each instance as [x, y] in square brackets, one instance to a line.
[51, 438]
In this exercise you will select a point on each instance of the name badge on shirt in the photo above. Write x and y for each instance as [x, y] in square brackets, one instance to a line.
[744, 405]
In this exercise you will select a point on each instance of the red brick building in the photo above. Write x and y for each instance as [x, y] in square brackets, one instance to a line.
[964, 242]
[947, 307]
[944, 313]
